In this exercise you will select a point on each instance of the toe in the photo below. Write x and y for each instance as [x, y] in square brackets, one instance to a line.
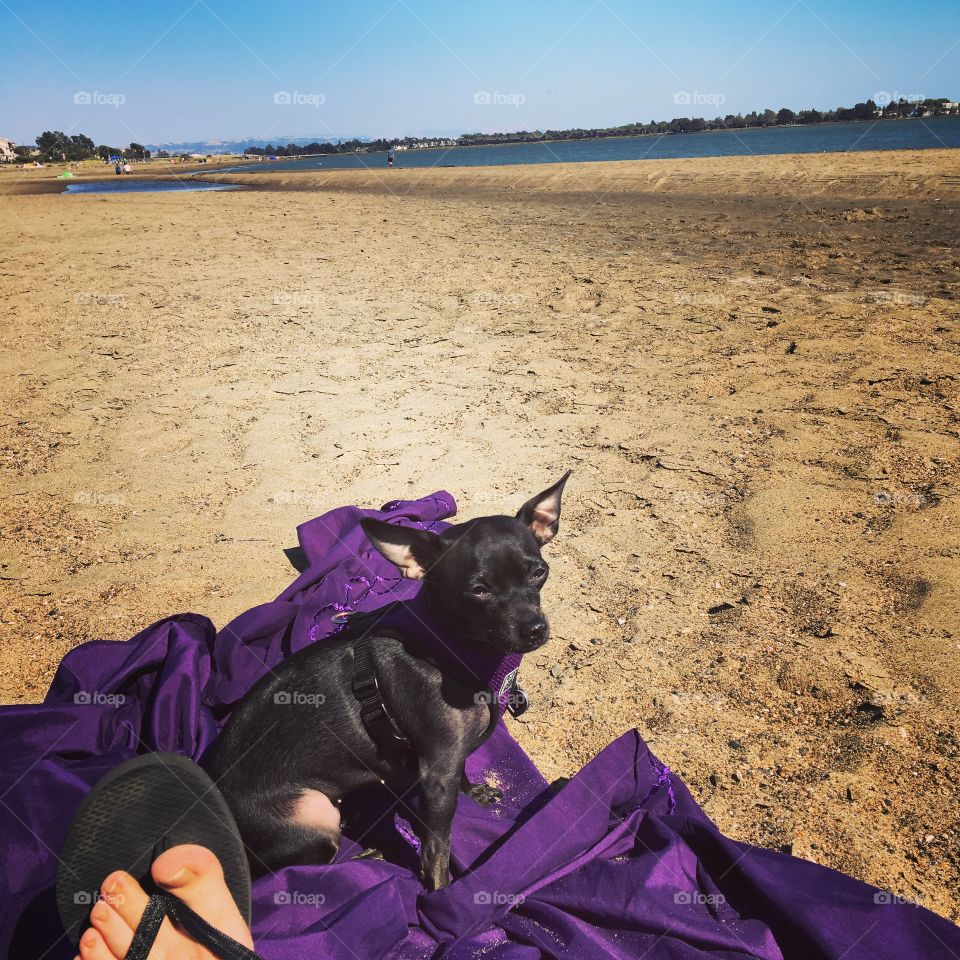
[93, 947]
[194, 874]
[112, 927]
[126, 897]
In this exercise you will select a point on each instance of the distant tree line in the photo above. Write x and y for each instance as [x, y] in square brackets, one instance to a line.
[54, 146]
[766, 118]
[341, 146]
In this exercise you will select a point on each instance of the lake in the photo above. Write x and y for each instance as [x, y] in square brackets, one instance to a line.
[822, 138]
[124, 185]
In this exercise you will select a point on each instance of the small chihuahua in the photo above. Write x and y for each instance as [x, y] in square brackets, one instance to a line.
[406, 698]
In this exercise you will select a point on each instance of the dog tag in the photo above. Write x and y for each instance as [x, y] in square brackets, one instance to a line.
[518, 702]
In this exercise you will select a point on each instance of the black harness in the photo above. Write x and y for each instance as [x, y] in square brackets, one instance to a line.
[376, 719]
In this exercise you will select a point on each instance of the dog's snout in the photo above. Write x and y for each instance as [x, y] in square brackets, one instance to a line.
[535, 631]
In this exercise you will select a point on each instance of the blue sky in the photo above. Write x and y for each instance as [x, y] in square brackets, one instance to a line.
[208, 69]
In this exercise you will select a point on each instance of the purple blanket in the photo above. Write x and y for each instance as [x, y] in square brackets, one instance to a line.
[619, 863]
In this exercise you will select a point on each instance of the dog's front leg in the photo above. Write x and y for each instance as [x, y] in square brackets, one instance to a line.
[439, 787]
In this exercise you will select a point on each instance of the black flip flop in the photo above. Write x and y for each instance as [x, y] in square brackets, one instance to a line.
[137, 811]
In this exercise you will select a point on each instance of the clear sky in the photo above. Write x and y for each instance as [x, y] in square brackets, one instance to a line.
[208, 69]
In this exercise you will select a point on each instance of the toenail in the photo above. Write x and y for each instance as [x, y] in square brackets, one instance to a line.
[111, 885]
[181, 876]
[100, 912]
[90, 938]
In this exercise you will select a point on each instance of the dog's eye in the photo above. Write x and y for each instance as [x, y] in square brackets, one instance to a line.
[480, 590]
[539, 573]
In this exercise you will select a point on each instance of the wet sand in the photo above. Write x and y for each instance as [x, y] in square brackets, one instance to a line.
[750, 363]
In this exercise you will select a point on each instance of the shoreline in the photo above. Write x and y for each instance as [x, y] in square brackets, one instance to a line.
[901, 173]
[631, 136]
[881, 174]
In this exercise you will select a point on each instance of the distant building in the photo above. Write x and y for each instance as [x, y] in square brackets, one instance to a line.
[6, 150]
[431, 144]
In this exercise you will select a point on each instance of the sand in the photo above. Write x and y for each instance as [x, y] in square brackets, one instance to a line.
[751, 364]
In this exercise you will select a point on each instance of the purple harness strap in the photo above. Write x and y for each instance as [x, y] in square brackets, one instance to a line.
[415, 623]
[493, 676]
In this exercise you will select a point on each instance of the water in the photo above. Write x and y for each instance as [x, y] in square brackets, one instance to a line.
[824, 138]
[123, 185]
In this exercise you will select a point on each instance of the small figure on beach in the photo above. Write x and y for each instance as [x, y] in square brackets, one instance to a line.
[391, 156]
[118, 169]
[126, 168]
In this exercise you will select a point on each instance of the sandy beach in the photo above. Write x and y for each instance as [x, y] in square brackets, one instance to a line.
[751, 364]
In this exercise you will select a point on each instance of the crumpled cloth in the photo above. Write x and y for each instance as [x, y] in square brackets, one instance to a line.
[619, 863]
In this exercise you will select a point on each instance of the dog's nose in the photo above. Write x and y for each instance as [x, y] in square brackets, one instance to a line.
[535, 631]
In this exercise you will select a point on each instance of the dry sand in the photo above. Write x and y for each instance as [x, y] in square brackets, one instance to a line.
[750, 363]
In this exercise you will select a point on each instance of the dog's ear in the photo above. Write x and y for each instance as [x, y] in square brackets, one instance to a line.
[411, 551]
[542, 513]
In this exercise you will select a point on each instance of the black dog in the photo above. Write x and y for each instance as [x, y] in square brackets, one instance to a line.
[371, 705]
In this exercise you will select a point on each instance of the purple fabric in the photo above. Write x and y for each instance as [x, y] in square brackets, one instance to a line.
[620, 863]
[415, 622]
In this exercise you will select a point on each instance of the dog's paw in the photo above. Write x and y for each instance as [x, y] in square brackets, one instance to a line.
[484, 794]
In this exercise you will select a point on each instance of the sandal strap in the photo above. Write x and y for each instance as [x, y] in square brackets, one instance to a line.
[162, 905]
[147, 928]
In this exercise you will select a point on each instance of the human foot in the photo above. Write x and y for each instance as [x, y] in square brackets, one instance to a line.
[188, 872]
